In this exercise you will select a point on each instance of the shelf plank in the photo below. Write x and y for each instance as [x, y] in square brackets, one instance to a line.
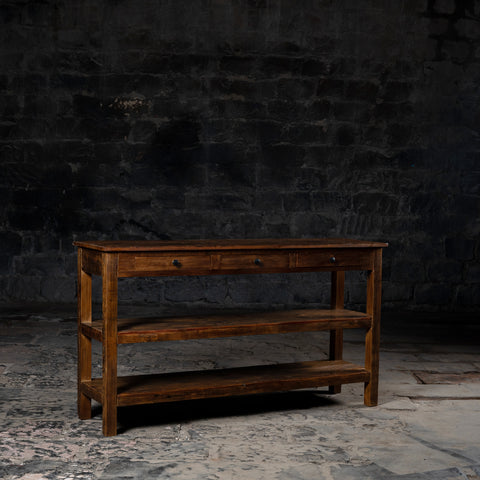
[137, 330]
[170, 387]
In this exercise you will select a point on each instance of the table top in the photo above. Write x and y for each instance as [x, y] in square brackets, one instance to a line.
[225, 244]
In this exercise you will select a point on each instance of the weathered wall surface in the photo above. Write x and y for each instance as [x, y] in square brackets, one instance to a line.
[214, 118]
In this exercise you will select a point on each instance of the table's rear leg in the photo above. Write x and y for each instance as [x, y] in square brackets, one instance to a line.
[336, 336]
[372, 340]
[84, 343]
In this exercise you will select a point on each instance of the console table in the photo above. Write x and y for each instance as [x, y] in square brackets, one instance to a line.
[115, 259]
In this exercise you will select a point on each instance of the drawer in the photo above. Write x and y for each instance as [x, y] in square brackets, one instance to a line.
[172, 262]
[254, 261]
[354, 258]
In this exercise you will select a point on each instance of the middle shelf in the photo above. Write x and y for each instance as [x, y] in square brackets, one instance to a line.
[138, 330]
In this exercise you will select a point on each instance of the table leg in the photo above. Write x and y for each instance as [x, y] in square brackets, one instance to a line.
[109, 342]
[336, 336]
[84, 297]
[372, 339]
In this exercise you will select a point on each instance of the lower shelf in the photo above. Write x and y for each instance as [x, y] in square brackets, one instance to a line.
[169, 387]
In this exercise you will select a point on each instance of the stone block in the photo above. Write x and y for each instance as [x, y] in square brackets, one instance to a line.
[472, 274]
[265, 132]
[296, 89]
[397, 91]
[238, 65]
[400, 112]
[399, 135]
[286, 111]
[308, 133]
[277, 66]
[10, 243]
[408, 269]
[312, 225]
[361, 90]
[459, 248]
[259, 290]
[439, 294]
[445, 271]
[9, 106]
[314, 67]
[345, 135]
[397, 292]
[330, 87]
[375, 203]
[297, 202]
[318, 110]
[468, 296]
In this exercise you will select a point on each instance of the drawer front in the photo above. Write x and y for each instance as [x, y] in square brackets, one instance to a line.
[255, 261]
[172, 263]
[354, 258]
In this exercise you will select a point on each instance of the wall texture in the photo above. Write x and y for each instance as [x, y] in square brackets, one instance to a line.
[164, 119]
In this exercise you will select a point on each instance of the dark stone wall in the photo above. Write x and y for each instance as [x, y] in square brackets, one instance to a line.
[160, 119]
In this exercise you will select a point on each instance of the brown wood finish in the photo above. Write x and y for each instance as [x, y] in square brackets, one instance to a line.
[169, 387]
[113, 260]
[84, 297]
[336, 336]
[224, 244]
[144, 264]
[360, 258]
[109, 341]
[372, 338]
[92, 262]
[137, 330]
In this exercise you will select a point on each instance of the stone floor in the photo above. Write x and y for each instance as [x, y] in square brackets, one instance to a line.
[427, 425]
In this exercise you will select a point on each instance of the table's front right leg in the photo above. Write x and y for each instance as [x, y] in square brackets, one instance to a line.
[109, 341]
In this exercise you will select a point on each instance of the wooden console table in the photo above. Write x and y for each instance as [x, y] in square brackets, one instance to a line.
[114, 259]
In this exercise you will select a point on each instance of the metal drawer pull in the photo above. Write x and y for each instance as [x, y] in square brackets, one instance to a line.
[333, 259]
[177, 263]
[257, 261]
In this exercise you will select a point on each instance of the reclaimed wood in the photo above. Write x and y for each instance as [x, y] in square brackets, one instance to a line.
[336, 336]
[372, 338]
[224, 244]
[359, 258]
[136, 330]
[169, 387]
[91, 262]
[232, 261]
[84, 371]
[109, 343]
[115, 259]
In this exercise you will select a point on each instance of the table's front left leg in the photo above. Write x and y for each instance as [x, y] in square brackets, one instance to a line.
[109, 341]
[84, 297]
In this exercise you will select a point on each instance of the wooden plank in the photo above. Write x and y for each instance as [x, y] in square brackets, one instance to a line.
[336, 336]
[224, 244]
[360, 258]
[372, 338]
[84, 342]
[136, 330]
[109, 341]
[92, 262]
[143, 389]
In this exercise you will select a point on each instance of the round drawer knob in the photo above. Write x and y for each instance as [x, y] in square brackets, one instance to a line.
[257, 261]
[176, 263]
[333, 259]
